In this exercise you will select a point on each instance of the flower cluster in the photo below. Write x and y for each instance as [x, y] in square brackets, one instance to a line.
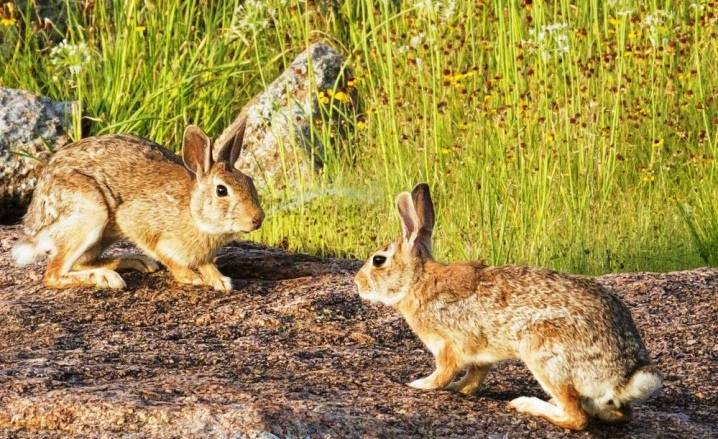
[70, 57]
[550, 40]
[622, 8]
[7, 15]
[658, 26]
[252, 17]
[444, 10]
[342, 95]
[456, 78]
[326, 96]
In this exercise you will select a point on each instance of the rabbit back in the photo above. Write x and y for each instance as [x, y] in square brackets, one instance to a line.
[577, 329]
[124, 168]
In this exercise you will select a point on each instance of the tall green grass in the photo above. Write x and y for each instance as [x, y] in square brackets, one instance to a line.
[575, 135]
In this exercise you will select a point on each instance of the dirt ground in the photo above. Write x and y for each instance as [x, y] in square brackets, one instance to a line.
[294, 352]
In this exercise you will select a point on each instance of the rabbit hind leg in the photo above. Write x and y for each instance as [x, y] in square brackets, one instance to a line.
[61, 272]
[565, 410]
[77, 238]
[607, 412]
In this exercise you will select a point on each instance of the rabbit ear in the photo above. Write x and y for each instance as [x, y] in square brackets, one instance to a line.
[231, 153]
[196, 150]
[421, 197]
[237, 144]
[407, 215]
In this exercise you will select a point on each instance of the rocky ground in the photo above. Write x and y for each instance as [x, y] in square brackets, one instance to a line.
[294, 352]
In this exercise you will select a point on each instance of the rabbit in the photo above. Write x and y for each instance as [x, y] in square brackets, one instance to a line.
[178, 211]
[575, 336]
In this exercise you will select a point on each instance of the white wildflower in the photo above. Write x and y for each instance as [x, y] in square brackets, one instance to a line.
[416, 40]
[562, 43]
[697, 5]
[449, 10]
[658, 18]
[70, 57]
[444, 9]
[251, 17]
[622, 8]
[555, 27]
[550, 40]
[427, 7]
[658, 28]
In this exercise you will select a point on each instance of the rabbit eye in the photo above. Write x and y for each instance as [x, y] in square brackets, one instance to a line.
[378, 260]
[221, 190]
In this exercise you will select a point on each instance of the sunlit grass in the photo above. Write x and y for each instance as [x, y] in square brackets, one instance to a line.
[575, 135]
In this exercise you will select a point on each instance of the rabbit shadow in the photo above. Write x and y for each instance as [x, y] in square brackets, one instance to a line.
[247, 260]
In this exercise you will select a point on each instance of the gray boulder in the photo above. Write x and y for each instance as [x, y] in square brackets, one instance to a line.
[276, 122]
[31, 127]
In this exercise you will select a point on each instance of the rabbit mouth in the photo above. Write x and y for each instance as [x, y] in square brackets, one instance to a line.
[246, 228]
[371, 296]
[210, 229]
[377, 297]
[364, 290]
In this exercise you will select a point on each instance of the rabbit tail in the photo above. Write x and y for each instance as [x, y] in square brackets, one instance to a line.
[642, 384]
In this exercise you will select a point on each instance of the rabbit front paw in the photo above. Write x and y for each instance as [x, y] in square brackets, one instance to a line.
[214, 278]
[186, 276]
[149, 264]
[426, 383]
[462, 387]
[527, 404]
[222, 283]
[105, 278]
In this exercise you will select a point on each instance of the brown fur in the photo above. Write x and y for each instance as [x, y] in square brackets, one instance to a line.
[576, 337]
[103, 189]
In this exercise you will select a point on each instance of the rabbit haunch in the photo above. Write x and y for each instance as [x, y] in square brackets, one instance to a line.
[577, 338]
[113, 187]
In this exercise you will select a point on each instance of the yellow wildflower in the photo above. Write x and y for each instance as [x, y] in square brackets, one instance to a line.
[456, 78]
[7, 15]
[323, 98]
[361, 125]
[648, 176]
[341, 97]
[338, 96]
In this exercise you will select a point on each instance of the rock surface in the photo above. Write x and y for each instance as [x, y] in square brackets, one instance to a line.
[30, 128]
[294, 352]
[277, 136]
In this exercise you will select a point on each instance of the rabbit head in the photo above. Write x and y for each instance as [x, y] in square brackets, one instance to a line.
[223, 200]
[388, 274]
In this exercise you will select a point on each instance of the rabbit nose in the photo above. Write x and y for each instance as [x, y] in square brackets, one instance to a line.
[257, 220]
